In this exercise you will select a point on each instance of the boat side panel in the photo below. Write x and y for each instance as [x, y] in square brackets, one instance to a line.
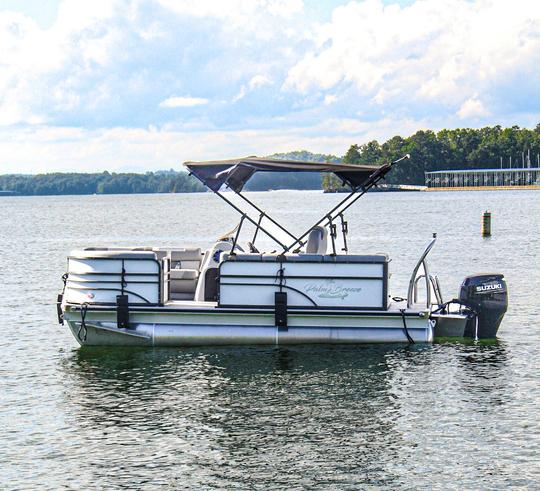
[254, 283]
[100, 280]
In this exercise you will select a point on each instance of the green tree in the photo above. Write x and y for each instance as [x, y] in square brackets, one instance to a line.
[370, 153]
[353, 155]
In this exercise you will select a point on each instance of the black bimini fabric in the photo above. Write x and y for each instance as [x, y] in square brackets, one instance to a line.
[235, 173]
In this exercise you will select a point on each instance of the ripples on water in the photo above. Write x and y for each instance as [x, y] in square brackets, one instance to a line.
[445, 416]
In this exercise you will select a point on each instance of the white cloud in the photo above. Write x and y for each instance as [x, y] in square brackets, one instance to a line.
[259, 81]
[183, 102]
[254, 83]
[237, 13]
[241, 94]
[81, 40]
[41, 149]
[472, 108]
[329, 99]
[440, 53]
[105, 71]
[153, 31]
[106, 62]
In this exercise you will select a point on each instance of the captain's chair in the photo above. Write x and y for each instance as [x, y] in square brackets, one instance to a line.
[317, 239]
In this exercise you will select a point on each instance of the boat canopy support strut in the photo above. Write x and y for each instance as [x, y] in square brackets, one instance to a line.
[351, 198]
[328, 219]
[257, 224]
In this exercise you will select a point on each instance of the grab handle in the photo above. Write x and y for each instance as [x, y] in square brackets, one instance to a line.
[412, 281]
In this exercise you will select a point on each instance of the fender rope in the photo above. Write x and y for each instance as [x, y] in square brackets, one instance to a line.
[83, 329]
[280, 276]
[409, 338]
[64, 279]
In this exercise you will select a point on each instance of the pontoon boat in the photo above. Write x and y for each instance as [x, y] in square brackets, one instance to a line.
[311, 289]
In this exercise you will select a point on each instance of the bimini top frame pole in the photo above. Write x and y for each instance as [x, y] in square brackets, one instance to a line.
[263, 214]
[257, 224]
[351, 198]
[235, 173]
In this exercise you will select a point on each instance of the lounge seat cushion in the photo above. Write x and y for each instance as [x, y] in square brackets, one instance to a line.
[188, 265]
[181, 296]
[184, 274]
[186, 255]
[183, 286]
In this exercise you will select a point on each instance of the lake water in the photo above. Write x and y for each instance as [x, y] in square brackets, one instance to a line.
[442, 416]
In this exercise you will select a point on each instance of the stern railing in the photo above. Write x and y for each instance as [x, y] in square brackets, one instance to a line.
[431, 283]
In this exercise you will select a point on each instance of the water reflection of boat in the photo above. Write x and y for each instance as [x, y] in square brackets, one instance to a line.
[310, 291]
[242, 416]
[254, 404]
[104, 379]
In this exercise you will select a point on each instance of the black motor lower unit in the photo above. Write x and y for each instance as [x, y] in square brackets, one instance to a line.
[487, 296]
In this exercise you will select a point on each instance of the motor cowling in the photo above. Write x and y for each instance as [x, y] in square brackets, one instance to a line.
[487, 296]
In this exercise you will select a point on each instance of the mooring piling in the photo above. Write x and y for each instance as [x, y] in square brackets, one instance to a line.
[486, 224]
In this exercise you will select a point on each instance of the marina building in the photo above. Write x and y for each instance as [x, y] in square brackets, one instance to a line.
[528, 178]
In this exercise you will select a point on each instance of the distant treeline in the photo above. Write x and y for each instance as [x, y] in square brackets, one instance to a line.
[447, 149]
[104, 183]
[152, 182]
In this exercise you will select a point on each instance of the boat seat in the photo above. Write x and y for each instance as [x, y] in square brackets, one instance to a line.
[185, 258]
[317, 241]
[180, 296]
[212, 259]
[182, 283]
[183, 274]
[160, 253]
[193, 253]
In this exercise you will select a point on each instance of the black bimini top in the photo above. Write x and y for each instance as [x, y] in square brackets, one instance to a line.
[235, 173]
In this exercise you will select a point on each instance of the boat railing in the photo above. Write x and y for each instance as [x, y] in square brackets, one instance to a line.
[431, 284]
[437, 289]
[434, 280]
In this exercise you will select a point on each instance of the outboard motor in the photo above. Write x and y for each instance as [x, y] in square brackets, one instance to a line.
[487, 296]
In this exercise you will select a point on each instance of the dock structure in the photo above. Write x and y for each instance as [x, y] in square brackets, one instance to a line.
[478, 179]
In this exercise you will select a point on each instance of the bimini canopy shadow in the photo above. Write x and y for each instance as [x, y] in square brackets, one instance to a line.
[235, 173]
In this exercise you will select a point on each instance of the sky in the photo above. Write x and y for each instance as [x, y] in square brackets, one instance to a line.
[139, 85]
